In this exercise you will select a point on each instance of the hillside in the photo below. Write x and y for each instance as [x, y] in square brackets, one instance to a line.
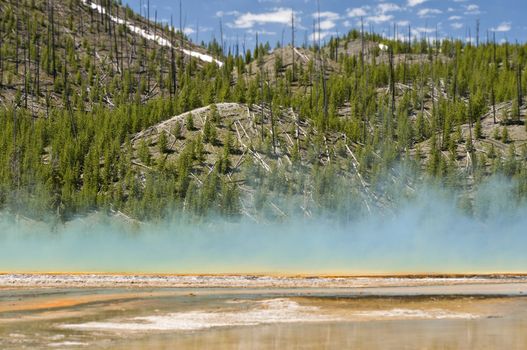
[103, 110]
[77, 53]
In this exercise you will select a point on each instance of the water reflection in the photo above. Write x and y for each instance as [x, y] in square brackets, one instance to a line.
[201, 319]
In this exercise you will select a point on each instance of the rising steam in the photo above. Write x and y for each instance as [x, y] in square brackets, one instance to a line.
[426, 234]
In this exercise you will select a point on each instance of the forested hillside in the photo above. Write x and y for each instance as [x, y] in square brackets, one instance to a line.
[103, 110]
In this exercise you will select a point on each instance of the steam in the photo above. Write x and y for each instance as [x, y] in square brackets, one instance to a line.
[427, 234]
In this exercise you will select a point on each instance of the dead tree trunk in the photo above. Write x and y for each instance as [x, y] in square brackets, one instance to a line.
[1, 60]
[392, 81]
[454, 88]
[37, 66]
[16, 38]
[293, 42]
[362, 45]
[259, 61]
[325, 92]
[53, 49]
[115, 46]
[122, 33]
[470, 118]
[15, 166]
[519, 83]
[493, 101]
[173, 75]
[273, 133]
[26, 68]
[494, 47]
[221, 37]
[477, 33]
[494, 69]
[323, 68]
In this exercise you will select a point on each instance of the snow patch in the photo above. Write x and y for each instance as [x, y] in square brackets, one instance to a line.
[152, 37]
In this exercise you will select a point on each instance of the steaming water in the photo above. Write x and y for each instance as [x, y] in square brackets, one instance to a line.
[427, 234]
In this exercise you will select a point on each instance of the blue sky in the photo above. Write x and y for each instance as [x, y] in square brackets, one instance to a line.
[242, 19]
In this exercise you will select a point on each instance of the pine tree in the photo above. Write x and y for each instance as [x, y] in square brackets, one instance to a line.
[189, 122]
[478, 130]
[144, 153]
[209, 132]
[162, 143]
[505, 135]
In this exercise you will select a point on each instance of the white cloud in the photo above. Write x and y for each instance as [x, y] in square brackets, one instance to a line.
[377, 14]
[327, 24]
[326, 14]
[454, 18]
[456, 25]
[381, 18]
[472, 9]
[413, 3]
[323, 34]
[428, 12]
[192, 30]
[260, 32]
[403, 23]
[418, 31]
[228, 13]
[249, 19]
[503, 27]
[329, 19]
[385, 7]
[358, 11]
[189, 31]
[424, 29]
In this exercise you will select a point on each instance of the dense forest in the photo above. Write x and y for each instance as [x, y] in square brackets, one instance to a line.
[102, 110]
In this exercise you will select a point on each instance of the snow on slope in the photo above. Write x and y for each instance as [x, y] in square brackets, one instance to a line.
[159, 39]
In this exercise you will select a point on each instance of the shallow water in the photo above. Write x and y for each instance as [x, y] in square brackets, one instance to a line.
[256, 319]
